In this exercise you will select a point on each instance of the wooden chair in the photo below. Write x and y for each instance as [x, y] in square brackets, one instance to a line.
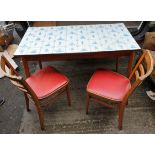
[108, 86]
[39, 87]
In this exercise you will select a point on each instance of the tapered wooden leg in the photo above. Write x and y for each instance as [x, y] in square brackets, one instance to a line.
[27, 102]
[117, 63]
[40, 64]
[131, 61]
[68, 95]
[41, 117]
[87, 103]
[26, 67]
[120, 115]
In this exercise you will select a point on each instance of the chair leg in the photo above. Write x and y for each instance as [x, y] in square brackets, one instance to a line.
[27, 102]
[87, 103]
[41, 117]
[68, 95]
[120, 115]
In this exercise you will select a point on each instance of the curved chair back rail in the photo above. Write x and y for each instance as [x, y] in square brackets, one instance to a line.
[141, 71]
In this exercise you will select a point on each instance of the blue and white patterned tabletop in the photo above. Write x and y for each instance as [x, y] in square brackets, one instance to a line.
[76, 39]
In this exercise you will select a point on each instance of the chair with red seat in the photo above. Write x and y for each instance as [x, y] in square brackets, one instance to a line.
[106, 85]
[39, 87]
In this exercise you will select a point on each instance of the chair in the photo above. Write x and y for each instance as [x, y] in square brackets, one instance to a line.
[39, 87]
[108, 86]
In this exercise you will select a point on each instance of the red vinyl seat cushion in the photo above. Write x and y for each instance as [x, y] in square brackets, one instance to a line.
[46, 81]
[109, 85]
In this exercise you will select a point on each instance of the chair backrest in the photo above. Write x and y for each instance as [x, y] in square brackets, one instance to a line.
[143, 68]
[15, 79]
[141, 71]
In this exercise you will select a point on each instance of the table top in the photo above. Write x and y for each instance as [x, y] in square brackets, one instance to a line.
[76, 39]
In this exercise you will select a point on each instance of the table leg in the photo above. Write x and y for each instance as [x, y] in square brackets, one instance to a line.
[130, 63]
[40, 64]
[26, 67]
[117, 63]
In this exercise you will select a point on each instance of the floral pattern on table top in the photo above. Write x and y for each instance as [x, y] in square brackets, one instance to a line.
[78, 38]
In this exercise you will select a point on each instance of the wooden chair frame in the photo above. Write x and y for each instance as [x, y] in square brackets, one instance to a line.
[140, 72]
[18, 81]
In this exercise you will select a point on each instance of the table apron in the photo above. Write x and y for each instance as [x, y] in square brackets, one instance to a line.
[57, 57]
[77, 56]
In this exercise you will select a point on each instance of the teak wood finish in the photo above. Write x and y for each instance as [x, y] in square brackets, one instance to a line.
[43, 23]
[77, 56]
[18, 81]
[141, 71]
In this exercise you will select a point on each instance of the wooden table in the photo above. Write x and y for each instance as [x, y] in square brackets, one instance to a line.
[76, 42]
